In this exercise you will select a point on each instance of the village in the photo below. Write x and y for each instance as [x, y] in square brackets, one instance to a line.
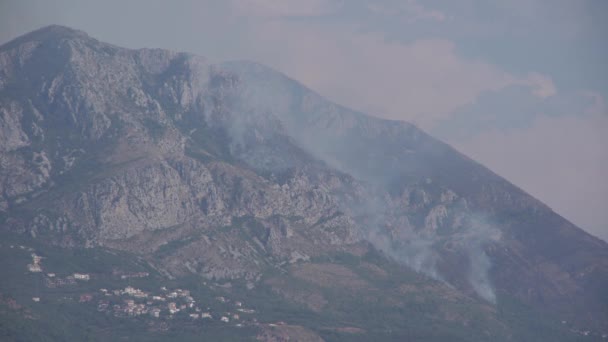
[129, 302]
[170, 304]
[162, 305]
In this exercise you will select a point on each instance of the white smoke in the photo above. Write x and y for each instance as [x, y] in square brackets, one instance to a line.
[269, 103]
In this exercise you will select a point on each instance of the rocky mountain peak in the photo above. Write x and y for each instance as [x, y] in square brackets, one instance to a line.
[49, 34]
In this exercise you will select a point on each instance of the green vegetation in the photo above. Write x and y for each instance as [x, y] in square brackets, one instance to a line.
[59, 316]
[393, 304]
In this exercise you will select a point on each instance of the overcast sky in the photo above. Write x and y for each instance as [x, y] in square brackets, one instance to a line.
[519, 85]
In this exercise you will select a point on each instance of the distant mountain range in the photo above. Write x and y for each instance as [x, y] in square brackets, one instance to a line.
[352, 227]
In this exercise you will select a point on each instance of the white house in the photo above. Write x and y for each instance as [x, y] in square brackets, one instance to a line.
[81, 276]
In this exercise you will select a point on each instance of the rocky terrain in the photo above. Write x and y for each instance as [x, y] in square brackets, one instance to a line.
[234, 173]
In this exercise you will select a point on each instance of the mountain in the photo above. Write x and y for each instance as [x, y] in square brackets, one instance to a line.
[242, 184]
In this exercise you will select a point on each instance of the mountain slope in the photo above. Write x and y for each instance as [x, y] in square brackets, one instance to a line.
[232, 172]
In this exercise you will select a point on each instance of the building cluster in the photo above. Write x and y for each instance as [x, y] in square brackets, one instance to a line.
[52, 281]
[134, 275]
[35, 265]
[81, 276]
[85, 297]
[131, 302]
[131, 308]
[139, 302]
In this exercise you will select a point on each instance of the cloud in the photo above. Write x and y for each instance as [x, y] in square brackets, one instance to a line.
[421, 82]
[542, 85]
[523, 19]
[515, 107]
[563, 161]
[553, 147]
[284, 8]
[410, 10]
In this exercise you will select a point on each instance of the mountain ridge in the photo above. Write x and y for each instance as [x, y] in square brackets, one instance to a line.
[242, 168]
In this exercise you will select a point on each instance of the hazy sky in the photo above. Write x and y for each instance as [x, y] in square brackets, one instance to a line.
[519, 85]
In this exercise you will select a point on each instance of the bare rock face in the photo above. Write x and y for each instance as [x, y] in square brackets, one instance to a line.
[226, 170]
